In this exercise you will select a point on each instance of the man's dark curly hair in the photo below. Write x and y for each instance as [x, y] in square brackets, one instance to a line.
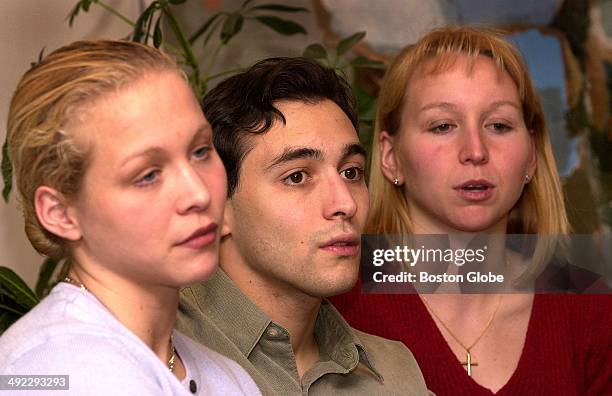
[244, 104]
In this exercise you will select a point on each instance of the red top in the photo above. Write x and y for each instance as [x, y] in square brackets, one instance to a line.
[567, 351]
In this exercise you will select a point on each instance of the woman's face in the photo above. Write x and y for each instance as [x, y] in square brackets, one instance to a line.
[463, 151]
[151, 204]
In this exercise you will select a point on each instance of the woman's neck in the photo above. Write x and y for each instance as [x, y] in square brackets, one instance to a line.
[149, 313]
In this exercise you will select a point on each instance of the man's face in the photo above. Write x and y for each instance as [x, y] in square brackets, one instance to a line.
[301, 203]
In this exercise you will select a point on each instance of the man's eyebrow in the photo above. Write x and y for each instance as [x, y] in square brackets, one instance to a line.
[353, 149]
[293, 153]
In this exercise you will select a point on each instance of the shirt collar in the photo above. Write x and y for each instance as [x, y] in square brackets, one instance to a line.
[232, 311]
[244, 323]
[338, 340]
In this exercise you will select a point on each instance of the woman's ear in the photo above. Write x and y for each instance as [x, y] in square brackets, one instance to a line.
[533, 159]
[55, 215]
[389, 162]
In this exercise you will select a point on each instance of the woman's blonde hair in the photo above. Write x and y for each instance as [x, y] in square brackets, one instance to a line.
[42, 119]
[541, 208]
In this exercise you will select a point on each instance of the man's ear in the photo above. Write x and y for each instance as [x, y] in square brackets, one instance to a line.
[55, 215]
[228, 219]
[389, 162]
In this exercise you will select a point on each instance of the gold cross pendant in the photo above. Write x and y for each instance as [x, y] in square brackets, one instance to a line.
[469, 363]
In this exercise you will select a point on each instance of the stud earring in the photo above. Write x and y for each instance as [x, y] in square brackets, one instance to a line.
[527, 178]
[395, 182]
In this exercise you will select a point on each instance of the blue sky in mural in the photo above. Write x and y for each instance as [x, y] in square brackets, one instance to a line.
[544, 59]
[545, 62]
[502, 12]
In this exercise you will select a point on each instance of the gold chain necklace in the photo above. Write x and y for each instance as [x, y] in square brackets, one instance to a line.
[468, 363]
[171, 361]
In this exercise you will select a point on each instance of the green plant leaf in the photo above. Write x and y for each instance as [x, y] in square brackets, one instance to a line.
[16, 288]
[44, 284]
[211, 31]
[245, 3]
[41, 55]
[82, 5]
[367, 63]
[158, 37]
[315, 51]
[232, 25]
[156, 5]
[346, 44]
[18, 310]
[366, 104]
[7, 318]
[140, 33]
[279, 8]
[7, 172]
[203, 28]
[282, 26]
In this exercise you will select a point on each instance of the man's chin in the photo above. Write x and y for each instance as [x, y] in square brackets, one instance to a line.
[337, 286]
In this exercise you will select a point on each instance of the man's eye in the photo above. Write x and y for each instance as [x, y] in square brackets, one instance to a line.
[354, 173]
[295, 178]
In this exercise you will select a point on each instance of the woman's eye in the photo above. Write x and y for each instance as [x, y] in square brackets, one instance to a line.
[148, 179]
[499, 127]
[201, 152]
[353, 174]
[442, 128]
[295, 178]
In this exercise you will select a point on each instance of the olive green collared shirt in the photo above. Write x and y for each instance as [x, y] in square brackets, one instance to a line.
[218, 315]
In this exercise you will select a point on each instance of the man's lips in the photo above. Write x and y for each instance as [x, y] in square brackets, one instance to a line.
[201, 237]
[344, 245]
[475, 190]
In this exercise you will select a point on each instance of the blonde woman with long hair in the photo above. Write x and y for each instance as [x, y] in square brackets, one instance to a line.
[117, 174]
[461, 147]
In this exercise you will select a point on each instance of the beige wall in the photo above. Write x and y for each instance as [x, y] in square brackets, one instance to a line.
[27, 26]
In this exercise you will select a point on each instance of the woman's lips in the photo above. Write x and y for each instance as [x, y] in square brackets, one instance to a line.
[201, 237]
[475, 190]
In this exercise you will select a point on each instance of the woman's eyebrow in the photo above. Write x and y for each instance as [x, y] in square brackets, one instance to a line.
[501, 103]
[148, 152]
[438, 105]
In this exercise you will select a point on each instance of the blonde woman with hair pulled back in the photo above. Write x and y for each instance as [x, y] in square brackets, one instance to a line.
[116, 173]
[461, 148]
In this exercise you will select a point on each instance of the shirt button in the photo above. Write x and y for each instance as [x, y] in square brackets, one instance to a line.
[193, 387]
[273, 332]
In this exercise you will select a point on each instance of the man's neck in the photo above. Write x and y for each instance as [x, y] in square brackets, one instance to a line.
[284, 305]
